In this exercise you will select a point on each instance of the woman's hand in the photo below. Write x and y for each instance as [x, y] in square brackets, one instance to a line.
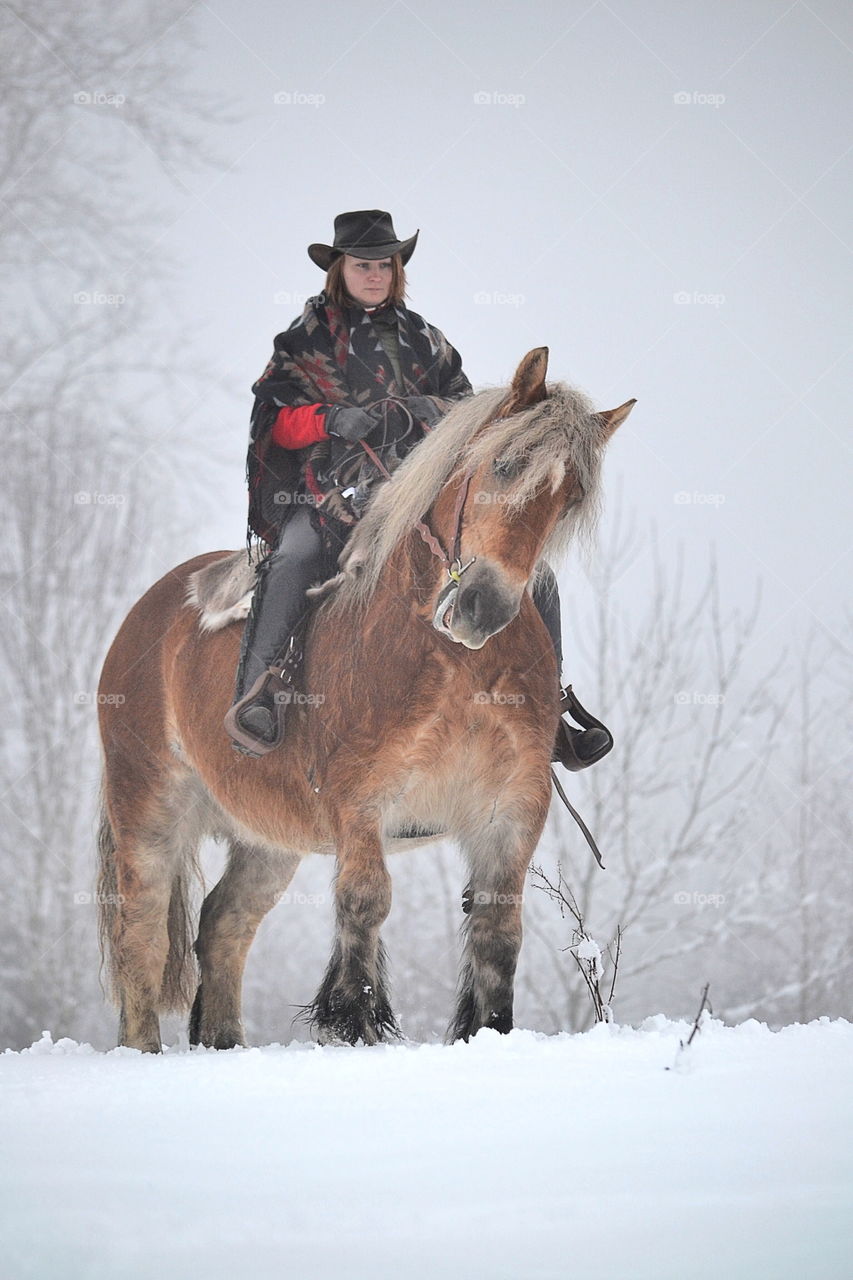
[348, 423]
[424, 410]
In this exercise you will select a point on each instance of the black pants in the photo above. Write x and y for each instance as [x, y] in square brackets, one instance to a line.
[295, 564]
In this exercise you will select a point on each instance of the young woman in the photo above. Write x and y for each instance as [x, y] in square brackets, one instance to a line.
[357, 365]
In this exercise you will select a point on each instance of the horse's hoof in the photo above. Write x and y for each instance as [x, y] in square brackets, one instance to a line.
[329, 1037]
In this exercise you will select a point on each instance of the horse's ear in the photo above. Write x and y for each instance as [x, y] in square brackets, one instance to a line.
[528, 384]
[610, 419]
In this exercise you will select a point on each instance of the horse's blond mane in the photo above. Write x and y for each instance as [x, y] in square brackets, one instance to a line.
[563, 428]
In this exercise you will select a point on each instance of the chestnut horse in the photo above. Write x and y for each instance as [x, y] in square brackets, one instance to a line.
[428, 709]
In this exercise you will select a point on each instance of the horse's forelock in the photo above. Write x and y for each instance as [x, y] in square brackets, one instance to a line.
[561, 428]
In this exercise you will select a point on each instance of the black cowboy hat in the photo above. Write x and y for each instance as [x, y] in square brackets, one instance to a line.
[365, 233]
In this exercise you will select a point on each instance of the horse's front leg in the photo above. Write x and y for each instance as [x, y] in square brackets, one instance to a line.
[492, 901]
[352, 1003]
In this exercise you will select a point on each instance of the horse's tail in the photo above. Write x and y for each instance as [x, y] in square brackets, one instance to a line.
[107, 899]
[180, 975]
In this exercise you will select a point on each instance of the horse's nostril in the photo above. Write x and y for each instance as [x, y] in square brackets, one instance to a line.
[472, 604]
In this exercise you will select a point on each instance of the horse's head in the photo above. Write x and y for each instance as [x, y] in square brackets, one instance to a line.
[501, 483]
[526, 476]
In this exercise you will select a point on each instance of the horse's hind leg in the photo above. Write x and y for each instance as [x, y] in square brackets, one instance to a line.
[146, 866]
[253, 882]
[498, 866]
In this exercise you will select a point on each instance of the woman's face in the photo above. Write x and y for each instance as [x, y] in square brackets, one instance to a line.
[368, 280]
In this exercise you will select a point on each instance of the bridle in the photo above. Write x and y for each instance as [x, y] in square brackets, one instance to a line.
[452, 562]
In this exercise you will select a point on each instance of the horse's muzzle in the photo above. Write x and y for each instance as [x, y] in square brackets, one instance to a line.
[471, 611]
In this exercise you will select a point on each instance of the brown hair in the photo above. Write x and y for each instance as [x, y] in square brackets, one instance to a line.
[336, 290]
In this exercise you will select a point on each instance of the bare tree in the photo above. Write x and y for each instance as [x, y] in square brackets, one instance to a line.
[85, 490]
[674, 806]
[800, 929]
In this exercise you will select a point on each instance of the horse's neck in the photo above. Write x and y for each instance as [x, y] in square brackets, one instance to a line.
[409, 579]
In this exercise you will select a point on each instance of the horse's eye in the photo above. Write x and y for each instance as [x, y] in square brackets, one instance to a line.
[507, 468]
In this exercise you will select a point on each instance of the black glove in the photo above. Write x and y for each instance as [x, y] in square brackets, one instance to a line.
[424, 409]
[348, 423]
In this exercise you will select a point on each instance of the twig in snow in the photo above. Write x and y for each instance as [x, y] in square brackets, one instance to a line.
[704, 1004]
[585, 950]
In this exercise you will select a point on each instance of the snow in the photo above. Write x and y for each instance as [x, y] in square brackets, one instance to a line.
[589, 952]
[520, 1157]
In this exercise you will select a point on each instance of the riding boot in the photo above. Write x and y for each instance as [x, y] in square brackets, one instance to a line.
[575, 749]
[255, 721]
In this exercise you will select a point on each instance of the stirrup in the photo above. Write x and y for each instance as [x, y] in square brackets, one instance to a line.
[242, 739]
[277, 682]
[564, 748]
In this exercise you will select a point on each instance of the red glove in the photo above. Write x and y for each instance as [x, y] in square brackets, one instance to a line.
[296, 428]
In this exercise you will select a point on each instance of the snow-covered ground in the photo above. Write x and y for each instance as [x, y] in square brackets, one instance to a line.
[522, 1157]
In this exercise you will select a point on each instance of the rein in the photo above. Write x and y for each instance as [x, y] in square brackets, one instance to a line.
[452, 563]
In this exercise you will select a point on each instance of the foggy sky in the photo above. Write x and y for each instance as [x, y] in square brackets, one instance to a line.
[655, 191]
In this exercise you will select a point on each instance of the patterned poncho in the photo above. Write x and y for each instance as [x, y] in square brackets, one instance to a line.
[334, 356]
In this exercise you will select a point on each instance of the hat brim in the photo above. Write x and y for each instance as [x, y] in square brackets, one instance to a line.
[323, 255]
